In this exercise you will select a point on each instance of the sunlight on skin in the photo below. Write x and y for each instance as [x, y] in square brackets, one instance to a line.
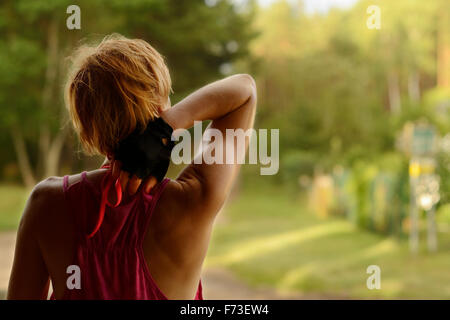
[264, 245]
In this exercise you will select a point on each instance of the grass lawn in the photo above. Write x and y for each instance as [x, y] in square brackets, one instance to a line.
[267, 237]
[12, 203]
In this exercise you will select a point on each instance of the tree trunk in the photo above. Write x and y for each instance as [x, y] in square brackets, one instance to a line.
[394, 92]
[414, 86]
[443, 49]
[22, 158]
[54, 154]
[48, 149]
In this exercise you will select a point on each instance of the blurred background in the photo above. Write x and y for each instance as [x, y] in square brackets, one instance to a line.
[360, 91]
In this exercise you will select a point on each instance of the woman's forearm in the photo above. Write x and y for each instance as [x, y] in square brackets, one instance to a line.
[211, 102]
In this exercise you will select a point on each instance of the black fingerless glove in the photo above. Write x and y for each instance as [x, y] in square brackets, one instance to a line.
[148, 153]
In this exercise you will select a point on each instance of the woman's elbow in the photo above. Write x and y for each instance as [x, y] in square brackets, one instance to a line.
[249, 81]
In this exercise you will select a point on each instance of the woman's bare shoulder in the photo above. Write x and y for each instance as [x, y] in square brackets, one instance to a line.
[47, 188]
[45, 198]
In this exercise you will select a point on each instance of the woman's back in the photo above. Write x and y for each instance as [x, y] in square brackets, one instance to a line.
[117, 263]
[112, 264]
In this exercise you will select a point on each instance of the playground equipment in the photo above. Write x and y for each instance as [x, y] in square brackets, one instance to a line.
[424, 183]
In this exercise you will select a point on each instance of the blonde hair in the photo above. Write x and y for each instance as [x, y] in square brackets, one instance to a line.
[113, 88]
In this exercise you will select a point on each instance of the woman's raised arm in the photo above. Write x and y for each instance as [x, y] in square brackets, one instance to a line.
[230, 104]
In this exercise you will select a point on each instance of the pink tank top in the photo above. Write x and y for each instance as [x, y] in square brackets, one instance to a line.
[111, 262]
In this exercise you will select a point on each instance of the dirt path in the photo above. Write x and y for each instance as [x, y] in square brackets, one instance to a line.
[7, 242]
[217, 283]
[220, 284]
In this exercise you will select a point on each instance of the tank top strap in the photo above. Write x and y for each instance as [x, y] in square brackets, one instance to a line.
[66, 180]
[65, 183]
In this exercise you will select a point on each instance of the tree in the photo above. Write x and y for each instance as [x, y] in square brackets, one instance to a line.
[335, 86]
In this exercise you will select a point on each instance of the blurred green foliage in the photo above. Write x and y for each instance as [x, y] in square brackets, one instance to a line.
[341, 93]
[330, 82]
